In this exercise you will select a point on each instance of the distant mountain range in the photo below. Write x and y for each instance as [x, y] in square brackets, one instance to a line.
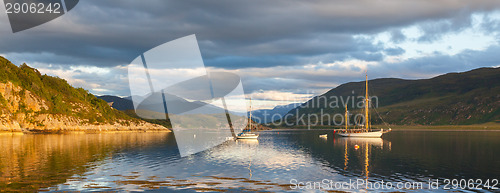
[259, 116]
[270, 115]
[471, 97]
[156, 114]
[118, 103]
[124, 104]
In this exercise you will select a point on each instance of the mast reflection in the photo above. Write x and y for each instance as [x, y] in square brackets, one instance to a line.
[358, 151]
[248, 144]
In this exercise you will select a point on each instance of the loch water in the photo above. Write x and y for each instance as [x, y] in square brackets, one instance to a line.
[280, 160]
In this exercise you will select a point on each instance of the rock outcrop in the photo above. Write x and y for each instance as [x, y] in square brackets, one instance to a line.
[24, 112]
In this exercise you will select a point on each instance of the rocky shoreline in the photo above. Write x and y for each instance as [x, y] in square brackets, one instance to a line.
[23, 112]
[61, 127]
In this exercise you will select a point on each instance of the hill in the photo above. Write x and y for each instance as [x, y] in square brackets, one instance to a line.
[30, 101]
[270, 115]
[471, 97]
[121, 104]
[126, 105]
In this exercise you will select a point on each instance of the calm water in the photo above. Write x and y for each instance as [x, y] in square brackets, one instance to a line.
[274, 163]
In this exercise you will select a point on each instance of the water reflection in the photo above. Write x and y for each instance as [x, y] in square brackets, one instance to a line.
[33, 162]
[363, 148]
[242, 165]
[147, 162]
[251, 143]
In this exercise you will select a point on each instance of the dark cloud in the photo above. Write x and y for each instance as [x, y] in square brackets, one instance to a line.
[490, 23]
[110, 33]
[394, 51]
[438, 63]
[233, 62]
[433, 31]
[236, 34]
[397, 36]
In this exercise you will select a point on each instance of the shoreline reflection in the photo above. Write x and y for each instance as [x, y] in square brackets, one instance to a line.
[33, 162]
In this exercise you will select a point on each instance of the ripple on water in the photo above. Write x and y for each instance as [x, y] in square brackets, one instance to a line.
[149, 162]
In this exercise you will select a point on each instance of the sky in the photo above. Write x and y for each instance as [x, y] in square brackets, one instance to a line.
[284, 50]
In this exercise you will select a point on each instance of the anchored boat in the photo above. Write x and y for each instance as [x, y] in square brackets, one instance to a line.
[366, 131]
[247, 133]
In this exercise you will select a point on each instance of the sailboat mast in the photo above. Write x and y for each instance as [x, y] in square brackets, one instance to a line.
[367, 100]
[346, 117]
[250, 119]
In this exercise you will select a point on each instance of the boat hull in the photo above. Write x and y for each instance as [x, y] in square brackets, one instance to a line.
[372, 134]
[247, 137]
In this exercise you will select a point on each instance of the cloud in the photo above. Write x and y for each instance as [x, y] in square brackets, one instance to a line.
[394, 51]
[436, 64]
[99, 81]
[279, 96]
[397, 36]
[434, 30]
[286, 46]
[491, 22]
[272, 98]
[111, 33]
[306, 79]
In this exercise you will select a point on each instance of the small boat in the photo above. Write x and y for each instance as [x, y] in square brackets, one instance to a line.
[375, 134]
[247, 133]
[324, 136]
[366, 131]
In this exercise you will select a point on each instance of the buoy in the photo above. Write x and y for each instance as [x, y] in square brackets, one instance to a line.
[356, 146]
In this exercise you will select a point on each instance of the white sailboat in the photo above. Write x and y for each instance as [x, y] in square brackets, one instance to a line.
[375, 134]
[366, 132]
[247, 133]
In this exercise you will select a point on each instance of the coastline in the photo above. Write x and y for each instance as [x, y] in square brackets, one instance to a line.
[475, 127]
[140, 126]
[95, 131]
[488, 127]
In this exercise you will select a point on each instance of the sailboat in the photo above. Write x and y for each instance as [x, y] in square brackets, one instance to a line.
[366, 132]
[247, 133]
